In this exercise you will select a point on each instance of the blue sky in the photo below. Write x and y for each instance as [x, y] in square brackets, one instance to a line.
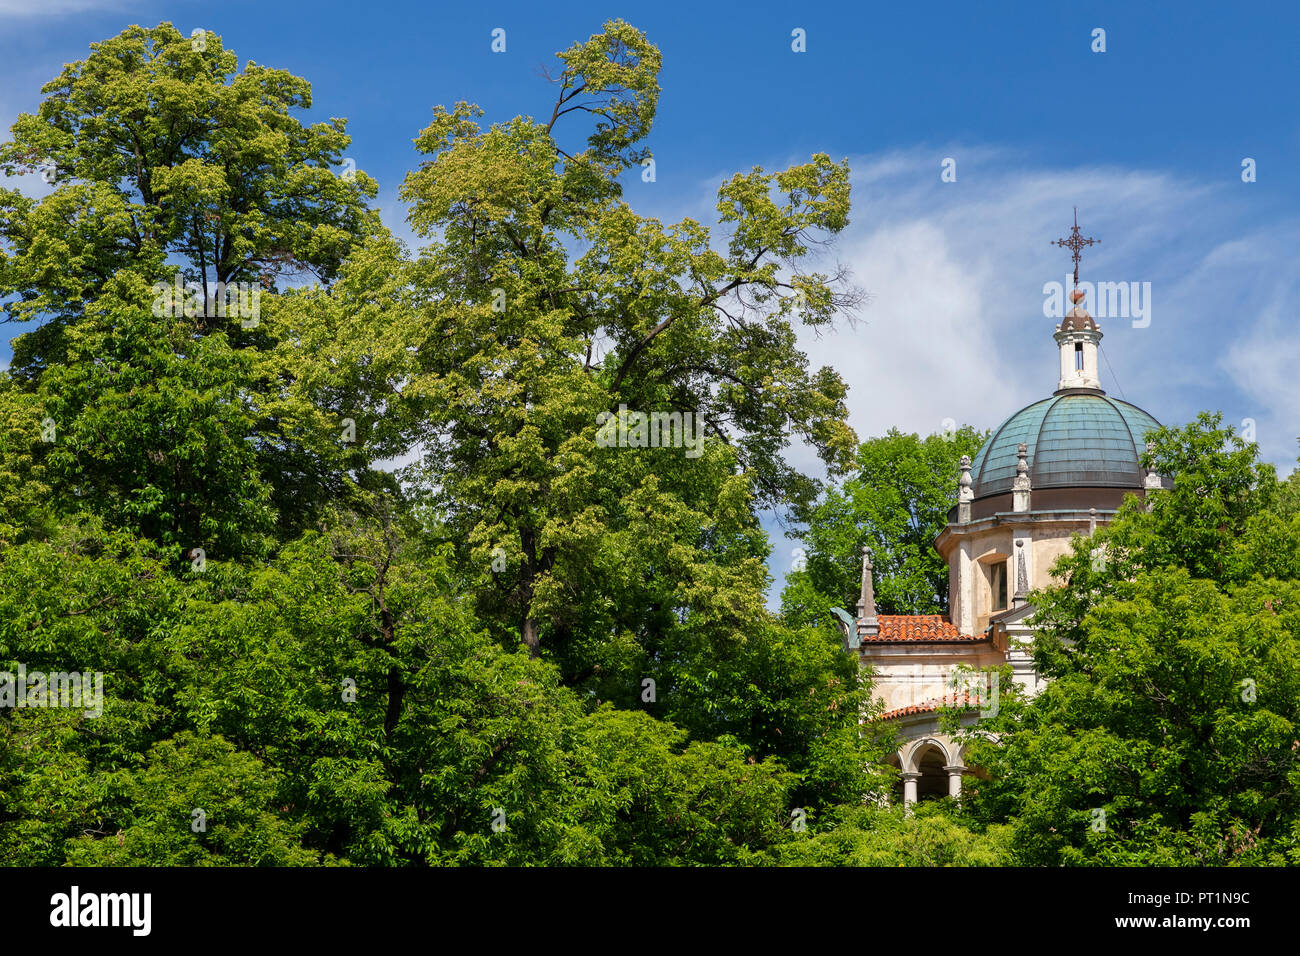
[1147, 139]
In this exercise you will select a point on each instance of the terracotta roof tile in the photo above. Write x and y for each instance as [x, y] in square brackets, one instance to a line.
[926, 706]
[895, 628]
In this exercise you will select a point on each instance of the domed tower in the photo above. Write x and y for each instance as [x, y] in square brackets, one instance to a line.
[1056, 468]
[1082, 448]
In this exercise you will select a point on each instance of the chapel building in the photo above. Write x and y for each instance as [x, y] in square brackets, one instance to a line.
[1056, 468]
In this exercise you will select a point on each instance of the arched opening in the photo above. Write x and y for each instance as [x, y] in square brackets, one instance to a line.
[933, 782]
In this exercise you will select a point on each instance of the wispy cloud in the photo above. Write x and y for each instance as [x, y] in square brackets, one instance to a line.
[955, 327]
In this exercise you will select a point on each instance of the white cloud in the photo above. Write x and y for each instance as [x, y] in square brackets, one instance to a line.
[1265, 362]
[956, 329]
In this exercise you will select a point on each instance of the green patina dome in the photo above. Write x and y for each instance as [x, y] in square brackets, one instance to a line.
[1075, 439]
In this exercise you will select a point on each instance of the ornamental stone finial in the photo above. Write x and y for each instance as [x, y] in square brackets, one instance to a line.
[1152, 480]
[965, 491]
[1021, 486]
[1022, 572]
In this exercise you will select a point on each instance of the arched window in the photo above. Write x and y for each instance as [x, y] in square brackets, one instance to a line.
[933, 782]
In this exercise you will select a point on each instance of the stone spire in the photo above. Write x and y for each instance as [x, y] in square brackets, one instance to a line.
[1022, 574]
[965, 493]
[1021, 486]
[868, 623]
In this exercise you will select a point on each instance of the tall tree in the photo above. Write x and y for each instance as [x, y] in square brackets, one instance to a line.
[163, 149]
[516, 350]
[561, 636]
[174, 416]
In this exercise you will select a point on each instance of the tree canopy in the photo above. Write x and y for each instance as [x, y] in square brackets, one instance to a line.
[526, 647]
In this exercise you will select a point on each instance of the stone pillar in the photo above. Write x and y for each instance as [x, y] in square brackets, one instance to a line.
[868, 623]
[1067, 359]
[954, 780]
[909, 786]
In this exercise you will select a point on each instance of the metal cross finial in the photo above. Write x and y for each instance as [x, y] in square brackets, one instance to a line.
[1075, 243]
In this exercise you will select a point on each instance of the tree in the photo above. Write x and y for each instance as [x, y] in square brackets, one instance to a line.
[174, 417]
[163, 149]
[1168, 733]
[197, 802]
[1288, 495]
[517, 352]
[896, 502]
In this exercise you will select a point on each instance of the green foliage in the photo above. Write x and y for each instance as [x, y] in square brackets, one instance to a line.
[164, 148]
[233, 792]
[931, 834]
[450, 669]
[1287, 503]
[511, 350]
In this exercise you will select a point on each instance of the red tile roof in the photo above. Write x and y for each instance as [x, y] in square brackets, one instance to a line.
[918, 627]
[950, 700]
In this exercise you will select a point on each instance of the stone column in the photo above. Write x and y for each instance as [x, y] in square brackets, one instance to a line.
[954, 780]
[909, 786]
